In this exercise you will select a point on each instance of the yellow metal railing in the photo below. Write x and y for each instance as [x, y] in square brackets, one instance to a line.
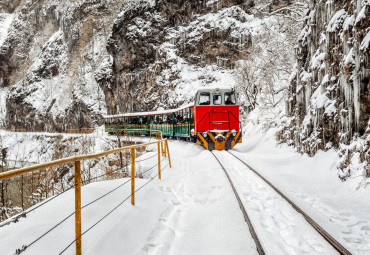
[162, 144]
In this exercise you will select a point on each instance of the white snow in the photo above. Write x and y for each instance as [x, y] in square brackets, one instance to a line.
[5, 22]
[361, 15]
[192, 210]
[337, 20]
[349, 59]
[339, 207]
[317, 59]
[3, 94]
[348, 22]
[187, 212]
[365, 42]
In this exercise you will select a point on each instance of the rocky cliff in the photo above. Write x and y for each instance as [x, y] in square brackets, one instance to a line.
[65, 63]
[49, 54]
[329, 103]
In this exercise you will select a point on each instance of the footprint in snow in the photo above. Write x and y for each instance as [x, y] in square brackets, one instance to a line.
[347, 232]
[352, 240]
[165, 189]
[356, 223]
[175, 202]
[366, 228]
[345, 214]
[201, 201]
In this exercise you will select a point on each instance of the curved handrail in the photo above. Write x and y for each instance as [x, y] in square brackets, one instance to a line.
[72, 159]
[77, 162]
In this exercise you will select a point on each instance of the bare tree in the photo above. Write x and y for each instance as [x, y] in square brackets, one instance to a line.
[263, 78]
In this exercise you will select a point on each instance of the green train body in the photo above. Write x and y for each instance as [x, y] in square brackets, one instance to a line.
[176, 123]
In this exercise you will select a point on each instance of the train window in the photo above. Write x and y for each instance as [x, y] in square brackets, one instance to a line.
[204, 98]
[169, 119]
[230, 98]
[186, 118]
[217, 99]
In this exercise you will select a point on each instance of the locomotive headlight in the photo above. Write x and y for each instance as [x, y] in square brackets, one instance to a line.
[204, 134]
[220, 138]
[234, 133]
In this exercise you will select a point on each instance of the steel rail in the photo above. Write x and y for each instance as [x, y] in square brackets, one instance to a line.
[246, 217]
[340, 248]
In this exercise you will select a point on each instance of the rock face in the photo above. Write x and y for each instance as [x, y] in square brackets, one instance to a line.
[329, 103]
[66, 63]
[48, 58]
[144, 37]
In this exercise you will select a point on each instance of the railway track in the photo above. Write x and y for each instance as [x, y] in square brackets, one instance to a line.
[260, 249]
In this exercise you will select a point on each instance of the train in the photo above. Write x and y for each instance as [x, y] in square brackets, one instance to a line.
[212, 121]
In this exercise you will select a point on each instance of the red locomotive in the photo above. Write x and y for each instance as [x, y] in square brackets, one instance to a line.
[213, 120]
[216, 119]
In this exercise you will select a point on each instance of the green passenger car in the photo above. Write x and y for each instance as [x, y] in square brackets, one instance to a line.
[176, 123]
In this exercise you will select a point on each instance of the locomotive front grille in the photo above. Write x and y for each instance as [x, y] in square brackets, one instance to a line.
[219, 140]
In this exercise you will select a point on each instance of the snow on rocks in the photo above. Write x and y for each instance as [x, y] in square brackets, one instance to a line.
[333, 49]
[337, 20]
[365, 42]
[5, 22]
[42, 87]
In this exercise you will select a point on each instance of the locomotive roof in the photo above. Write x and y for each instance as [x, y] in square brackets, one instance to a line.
[135, 114]
[215, 89]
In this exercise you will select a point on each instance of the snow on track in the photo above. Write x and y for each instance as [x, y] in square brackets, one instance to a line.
[312, 183]
[280, 228]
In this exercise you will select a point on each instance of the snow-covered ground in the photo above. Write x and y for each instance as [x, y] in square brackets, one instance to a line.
[341, 208]
[188, 212]
[192, 210]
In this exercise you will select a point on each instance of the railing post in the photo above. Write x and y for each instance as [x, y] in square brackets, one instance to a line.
[133, 176]
[78, 206]
[159, 161]
[162, 148]
[165, 149]
[168, 152]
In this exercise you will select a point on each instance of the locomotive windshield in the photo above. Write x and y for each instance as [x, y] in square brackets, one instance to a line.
[230, 98]
[217, 99]
[215, 96]
[205, 98]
